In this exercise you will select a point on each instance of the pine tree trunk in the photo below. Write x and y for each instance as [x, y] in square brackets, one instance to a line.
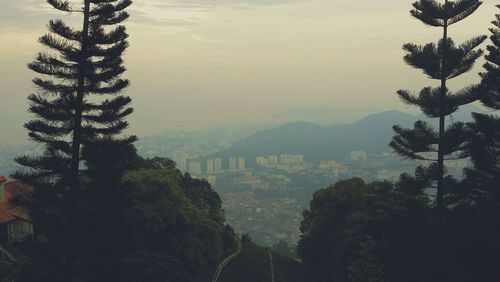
[440, 162]
[76, 143]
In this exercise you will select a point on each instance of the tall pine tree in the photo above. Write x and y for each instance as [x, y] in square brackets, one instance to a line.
[484, 178]
[442, 61]
[78, 98]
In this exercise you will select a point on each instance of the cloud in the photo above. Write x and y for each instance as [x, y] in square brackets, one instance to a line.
[30, 13]
[23, 13]
[141, 17]
[212, 3]
[174, 13]
[205, 39]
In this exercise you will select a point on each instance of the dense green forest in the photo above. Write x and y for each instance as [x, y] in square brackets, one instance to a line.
[103, 213]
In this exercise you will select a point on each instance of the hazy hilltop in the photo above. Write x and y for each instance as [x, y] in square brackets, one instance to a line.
[324, 115]
[318, 142]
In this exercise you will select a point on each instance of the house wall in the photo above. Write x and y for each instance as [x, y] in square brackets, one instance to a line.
[19, 230]
[2, 190]
[3, 233]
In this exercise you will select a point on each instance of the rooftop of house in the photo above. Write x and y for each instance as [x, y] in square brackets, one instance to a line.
[8, 210]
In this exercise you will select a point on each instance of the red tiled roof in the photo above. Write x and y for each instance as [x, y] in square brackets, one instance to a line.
[21, 213]
[2, 179]
[7, 212]
[5, 216]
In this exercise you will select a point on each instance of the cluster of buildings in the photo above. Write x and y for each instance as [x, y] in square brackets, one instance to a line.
[275, 160]
[214, 166]
[289, 163]
[180, 158]
[359, 155]
[286, 162]
[331, 167]
[267, 219]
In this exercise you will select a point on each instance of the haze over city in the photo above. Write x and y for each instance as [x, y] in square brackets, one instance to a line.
[200, 63]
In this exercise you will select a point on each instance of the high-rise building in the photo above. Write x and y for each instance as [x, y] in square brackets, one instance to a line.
[260, 160]
[180, 158]
[210, 166]
[212, 179]
[328, 165]
[241, 163]
[232, 164]
[273, 160]
[217, 165]
[358, 155]
[291, 159]
[195, 168]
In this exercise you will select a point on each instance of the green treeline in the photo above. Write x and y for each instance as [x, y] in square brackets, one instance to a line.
[378, 231]
[137, 220]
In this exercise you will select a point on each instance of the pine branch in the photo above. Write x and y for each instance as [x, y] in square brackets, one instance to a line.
[61, 5]
[60, 28]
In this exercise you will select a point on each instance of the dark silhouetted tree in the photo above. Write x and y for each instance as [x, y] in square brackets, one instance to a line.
[355, 231]
[484, 179]
[78, 98]
[442, 61]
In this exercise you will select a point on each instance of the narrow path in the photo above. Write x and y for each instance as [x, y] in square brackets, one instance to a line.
[271, 263]
[226, 261]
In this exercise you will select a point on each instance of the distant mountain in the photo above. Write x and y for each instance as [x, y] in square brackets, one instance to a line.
[322, 114]
[316, 142]
[371, 133]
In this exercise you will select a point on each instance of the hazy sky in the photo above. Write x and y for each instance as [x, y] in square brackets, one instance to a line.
[196, 63]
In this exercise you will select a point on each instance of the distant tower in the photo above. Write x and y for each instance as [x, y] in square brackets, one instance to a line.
[195, 168]
[210, 166]
[218, 165]
[241, 163]
[232, 164]
[273, 160]
[212, 179]
[180, 158]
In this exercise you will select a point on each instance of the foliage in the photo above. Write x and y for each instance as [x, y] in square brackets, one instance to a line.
[203, 196]
[137, 219]
[352, 230]
[78, 99]
[283, 249]
[483, 181]
[145, 266]
[79, 88]
[378, 232]
[442, 61]
[146, 215]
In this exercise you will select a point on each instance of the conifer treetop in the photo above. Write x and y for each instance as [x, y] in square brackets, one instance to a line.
[433, 13]
[490, 96]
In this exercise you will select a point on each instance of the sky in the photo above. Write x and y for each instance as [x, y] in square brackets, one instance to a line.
[200, 63]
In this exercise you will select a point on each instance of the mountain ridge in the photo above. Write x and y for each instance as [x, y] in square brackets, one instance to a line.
[316, 142]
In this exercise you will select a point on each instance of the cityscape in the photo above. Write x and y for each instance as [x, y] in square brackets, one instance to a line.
[266, 200]
[260, 196]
